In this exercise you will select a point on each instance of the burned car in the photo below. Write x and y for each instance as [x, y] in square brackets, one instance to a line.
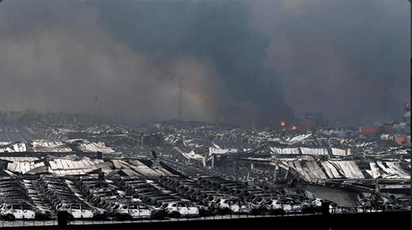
[229, 205]
[17, 211]
[180, 209]
[77, 211]
[288, 205]
[129, 211]
[372, 200]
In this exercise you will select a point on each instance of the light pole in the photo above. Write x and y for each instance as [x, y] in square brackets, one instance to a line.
[180, 99]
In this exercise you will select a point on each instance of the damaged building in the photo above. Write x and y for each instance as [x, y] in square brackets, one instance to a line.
[208, 168]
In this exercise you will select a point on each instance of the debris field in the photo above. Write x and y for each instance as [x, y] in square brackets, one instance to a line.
[178, 169]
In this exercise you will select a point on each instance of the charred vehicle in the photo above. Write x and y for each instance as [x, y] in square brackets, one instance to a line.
[288, 205]
[233, 206]
[65, 196]
[77, 211]
[180, 209]
[132, 211]
[17, 211]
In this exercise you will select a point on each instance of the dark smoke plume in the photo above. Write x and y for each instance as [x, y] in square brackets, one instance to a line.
[348, 59]
[217, 33]
[125, 59]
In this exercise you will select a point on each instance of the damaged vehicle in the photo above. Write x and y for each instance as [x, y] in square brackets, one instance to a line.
[130, 211]
[371, 200]
[399, 202]
[42, 213]
[17, 211]
[77, 211]
[296, 193]
[178, 209]
[235, 206]
[230, 206]
[288, 205]
[317, 204]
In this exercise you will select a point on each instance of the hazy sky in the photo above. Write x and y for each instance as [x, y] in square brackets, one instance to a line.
[349, 59]
[240, 61]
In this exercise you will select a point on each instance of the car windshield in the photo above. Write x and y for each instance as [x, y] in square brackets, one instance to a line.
[75, 206]
[27, 207]
[183, 205]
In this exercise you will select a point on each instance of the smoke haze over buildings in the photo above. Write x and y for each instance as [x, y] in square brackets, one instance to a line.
[239, 61]
[349, 59]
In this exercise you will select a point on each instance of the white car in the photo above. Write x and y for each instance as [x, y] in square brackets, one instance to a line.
[78, 211]
[235, 206]
[133, 211]
[180, 209]
[288, 206]
[17, 211]
[317, 205]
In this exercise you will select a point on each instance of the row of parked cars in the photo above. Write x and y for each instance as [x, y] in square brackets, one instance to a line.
[169, 196]
[64, 195]
[163, 201]
[90, 198]
[109, 196]
[20, 200]
[134, 198]
[223, 196]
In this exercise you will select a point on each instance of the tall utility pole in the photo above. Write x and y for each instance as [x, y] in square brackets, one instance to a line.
[180, 99]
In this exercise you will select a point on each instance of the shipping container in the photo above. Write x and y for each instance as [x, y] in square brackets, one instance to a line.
[369, 129]
[401, 139]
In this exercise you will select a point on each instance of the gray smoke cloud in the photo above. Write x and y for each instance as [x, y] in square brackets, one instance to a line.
[125, 59]
[214, 32]
[241, 62]
[348, 59]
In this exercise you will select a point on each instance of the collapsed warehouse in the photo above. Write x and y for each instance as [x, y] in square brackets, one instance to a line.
[190, 169]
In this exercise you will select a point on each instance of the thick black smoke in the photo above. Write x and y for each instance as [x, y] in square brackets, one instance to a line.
[125, 59]
[349, 59]
[216, 32]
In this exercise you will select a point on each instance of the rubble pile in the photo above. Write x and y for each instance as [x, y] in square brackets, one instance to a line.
[208, 168]
[67, 146]
[72, 165]
[312, 157]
